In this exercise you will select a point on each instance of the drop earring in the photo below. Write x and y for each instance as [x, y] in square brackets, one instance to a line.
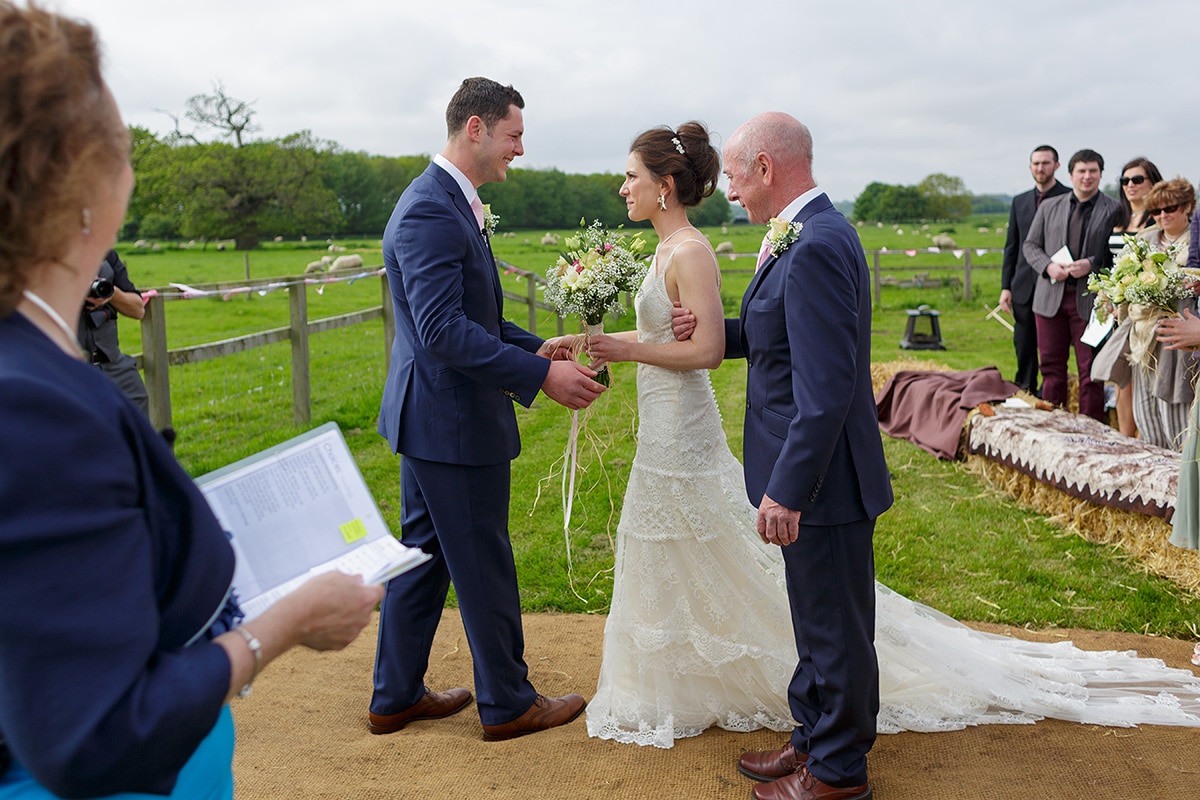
[87, 221]
[662, 202]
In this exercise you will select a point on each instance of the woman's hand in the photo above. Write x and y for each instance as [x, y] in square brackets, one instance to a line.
[605, 349]
[334, 608]
[1181, 333]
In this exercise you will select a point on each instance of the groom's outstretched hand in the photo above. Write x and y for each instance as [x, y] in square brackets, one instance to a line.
[683, 322]
[776, 524]
[570, 383]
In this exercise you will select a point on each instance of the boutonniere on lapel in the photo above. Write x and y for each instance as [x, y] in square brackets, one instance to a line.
[782, 233]
[490, 220]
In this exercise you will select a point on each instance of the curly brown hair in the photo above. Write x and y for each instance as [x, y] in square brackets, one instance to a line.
[1175, 192]
[60, 140]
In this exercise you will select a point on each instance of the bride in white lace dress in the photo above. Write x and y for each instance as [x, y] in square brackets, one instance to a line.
[699, 631]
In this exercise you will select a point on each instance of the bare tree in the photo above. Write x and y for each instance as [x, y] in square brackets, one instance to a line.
[230, 117]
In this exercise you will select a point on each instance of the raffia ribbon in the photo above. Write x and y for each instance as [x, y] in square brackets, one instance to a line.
[1142, 332]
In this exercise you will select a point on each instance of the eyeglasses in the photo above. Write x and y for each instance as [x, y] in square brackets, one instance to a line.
[1136, 180]
[1165, 210]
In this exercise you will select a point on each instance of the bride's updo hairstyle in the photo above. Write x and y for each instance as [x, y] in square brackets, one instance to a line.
[60, 142]
[686, 154]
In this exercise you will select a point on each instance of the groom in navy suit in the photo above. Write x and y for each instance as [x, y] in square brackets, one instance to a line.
[457, 367]
[813, 455]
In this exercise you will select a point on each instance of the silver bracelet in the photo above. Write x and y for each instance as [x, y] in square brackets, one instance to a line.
[256, 649]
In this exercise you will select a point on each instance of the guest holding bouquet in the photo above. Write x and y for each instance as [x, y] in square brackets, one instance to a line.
[1138, 176]
[1163, 381]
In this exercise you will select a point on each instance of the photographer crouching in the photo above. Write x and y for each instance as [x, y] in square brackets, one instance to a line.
[112, 292]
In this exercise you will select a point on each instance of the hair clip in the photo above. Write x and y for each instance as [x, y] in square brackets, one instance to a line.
[678, 145]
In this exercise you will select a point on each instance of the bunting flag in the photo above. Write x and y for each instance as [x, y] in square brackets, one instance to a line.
[981, 251]
[186, 292]
[910, 253]
[958, 254]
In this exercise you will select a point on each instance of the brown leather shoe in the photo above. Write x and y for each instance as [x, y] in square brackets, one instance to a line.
[803, 785]
[433, 705]
[771, 765]
[546, 712]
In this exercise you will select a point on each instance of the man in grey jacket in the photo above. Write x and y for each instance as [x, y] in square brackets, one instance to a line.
[1067, 242]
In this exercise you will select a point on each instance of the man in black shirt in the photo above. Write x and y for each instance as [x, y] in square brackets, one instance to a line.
[1017, 278]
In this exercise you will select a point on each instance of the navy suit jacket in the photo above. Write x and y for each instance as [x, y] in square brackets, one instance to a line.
[457, 364]
[112, 569]
[811, 437]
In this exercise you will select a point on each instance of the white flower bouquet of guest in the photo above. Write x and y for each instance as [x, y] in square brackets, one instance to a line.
[1141, 275]
[589, 277]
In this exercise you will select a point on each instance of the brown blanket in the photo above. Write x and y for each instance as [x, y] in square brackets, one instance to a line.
[929, 409]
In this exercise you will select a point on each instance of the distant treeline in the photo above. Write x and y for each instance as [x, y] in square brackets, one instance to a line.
[247, 189]
[302, 186]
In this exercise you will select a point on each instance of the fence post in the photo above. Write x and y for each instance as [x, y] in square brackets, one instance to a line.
[154, 363]
[875, 274]
[298, 312]
[531, 299]
[967, 276]
[389, 324]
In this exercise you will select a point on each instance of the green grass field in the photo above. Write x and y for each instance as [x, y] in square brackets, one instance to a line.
[950, 541]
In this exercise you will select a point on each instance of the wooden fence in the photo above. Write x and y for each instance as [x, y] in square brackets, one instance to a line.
[876, 257]
[156, 360]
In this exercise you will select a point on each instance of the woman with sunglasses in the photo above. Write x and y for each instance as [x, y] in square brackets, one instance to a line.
[1137, 177]
[1163, 382]
[1181, 336]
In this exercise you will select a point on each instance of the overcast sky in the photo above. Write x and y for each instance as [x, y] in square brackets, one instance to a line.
[892, 91]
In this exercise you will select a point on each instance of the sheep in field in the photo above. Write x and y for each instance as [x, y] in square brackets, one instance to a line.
[352, 261]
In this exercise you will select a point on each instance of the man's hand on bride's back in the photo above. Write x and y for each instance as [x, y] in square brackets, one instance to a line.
[683, 322]
[570, 384]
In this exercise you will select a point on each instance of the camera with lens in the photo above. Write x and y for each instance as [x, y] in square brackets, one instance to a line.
[102, 288]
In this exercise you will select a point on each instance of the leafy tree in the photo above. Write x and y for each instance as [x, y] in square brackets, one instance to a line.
[713, 210]
[946, 197]
[902, 204]
[262, 188]
[866, 207]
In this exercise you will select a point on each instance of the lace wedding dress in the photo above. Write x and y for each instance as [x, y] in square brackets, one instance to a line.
[699, 632]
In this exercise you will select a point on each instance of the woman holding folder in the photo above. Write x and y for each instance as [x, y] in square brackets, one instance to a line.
[119, 645]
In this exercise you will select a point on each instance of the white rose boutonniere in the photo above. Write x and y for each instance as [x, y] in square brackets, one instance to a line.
[782, 233]
[490, 220]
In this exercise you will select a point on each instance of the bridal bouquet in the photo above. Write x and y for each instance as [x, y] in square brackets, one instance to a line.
[1143, 276]
[589, 277]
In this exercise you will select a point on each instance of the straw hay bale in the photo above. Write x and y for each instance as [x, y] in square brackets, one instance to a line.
[1141, 537]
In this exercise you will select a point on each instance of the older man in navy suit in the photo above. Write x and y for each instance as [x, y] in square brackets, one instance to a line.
[457, 367]
[813, 455]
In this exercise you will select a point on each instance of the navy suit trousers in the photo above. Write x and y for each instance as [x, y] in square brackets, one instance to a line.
[458, 515]
[834, 693]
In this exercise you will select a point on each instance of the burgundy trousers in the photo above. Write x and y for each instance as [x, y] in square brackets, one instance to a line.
[1056, 336]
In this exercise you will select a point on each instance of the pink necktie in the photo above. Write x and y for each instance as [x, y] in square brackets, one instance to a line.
[477, 207]
[763, 254]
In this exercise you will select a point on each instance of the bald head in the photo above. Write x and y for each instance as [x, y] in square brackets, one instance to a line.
[768, 161]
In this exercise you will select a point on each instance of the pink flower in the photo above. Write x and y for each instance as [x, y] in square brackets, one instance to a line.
[578, 267]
